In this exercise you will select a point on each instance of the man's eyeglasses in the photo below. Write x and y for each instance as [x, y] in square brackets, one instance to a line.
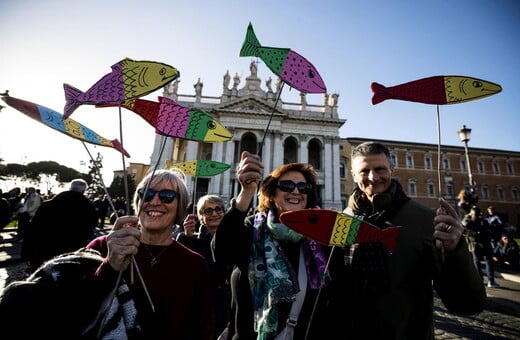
[209, 211]
[165, 195]
[288, 186]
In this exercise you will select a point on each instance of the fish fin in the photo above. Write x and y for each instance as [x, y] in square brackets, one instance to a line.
[251, 43]
[389, 237]
[380, 93]
[119, 147]
[71, 103]
[167, 101]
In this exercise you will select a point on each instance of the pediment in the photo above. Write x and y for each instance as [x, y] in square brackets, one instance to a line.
[250, 105]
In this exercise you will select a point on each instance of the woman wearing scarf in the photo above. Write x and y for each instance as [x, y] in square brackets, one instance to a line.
[272, 262]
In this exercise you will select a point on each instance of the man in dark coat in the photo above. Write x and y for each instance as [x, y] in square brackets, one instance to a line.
[62, 224]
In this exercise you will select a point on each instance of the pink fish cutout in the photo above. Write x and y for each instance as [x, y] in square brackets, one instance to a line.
[129, 79]
[291, 67]
[174, 120]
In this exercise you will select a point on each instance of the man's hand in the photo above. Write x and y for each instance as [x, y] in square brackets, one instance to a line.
[448, 228]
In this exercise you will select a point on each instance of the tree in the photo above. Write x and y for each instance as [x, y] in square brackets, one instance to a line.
[48, 172]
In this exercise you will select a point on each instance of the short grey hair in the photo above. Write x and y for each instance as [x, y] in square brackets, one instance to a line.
[78, 185]
[210, 198]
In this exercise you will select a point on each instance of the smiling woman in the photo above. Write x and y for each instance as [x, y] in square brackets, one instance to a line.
[165, 267]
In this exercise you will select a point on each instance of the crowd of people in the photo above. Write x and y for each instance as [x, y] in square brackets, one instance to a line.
[220, 271]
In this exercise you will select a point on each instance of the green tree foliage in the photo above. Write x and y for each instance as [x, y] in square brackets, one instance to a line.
[117, 188]
[37, 172]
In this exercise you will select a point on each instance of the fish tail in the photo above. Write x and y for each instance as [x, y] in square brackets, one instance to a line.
[380, 93]
[71, 101]
[251, 43]
[117, 145]
[389, 237]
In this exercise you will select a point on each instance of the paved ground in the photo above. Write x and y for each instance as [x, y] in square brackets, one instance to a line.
[499, 320]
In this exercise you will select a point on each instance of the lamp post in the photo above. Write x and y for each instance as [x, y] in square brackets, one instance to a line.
[464, 135]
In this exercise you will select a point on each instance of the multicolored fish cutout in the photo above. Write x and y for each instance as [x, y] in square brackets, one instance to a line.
[199, 168]
[331, 227]
[55, 121]
[437, 90]
[129, 79]
[291, 67]
[174, 120]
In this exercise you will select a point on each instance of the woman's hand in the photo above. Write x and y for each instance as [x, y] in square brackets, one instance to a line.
[249, 174]
[189, 224]
[123, 242]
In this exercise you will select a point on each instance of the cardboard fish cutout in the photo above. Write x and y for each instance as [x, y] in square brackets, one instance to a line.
[174, 120]
[331, 227]
[291, 67]
[199, 167]
[129, 79]
[55, 121]
[436, 90]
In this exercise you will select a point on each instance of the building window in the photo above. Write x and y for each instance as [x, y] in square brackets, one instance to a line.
[463, 166]
[514, 194]
[449, 189]
[427, 162]
[393, 160]
[314, 150]
[500, 193]
[412, 188]
[510, 169]
[446, 163]
[290, 151]
[496, 168]
[480, 166]
[485, 192]
[431, 188]
[341, 170]
[409, 161]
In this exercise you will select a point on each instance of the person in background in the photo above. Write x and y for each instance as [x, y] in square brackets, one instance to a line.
[389, 295]
[480, 245]
[64, 223]
[210, 211]
[31, 202]
[507, 253]
[102, 205]
[5, 212]
[497, 224]
[274, 265]
[173, 299]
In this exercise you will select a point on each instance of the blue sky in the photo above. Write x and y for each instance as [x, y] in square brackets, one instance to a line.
[352, 43]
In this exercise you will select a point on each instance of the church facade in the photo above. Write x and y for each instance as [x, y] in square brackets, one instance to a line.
[261, 123]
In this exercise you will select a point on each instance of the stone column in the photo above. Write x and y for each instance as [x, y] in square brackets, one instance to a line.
[303, 148]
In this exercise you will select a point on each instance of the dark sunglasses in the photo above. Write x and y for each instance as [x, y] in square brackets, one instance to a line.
[288, 186]
[165, 195]
[209, 211]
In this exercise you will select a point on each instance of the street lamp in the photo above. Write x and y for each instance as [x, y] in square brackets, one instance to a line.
[464, 135]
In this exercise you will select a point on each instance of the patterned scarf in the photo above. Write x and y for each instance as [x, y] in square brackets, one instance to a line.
[271, 277]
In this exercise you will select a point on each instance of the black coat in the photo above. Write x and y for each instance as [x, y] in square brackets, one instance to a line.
[62, 224]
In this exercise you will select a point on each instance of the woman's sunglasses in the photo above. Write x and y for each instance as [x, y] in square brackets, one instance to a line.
[165, 195]
[209, 211]
[288, 186]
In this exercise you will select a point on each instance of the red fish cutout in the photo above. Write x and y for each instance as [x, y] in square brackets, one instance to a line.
[333, 228]
[436, 90]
